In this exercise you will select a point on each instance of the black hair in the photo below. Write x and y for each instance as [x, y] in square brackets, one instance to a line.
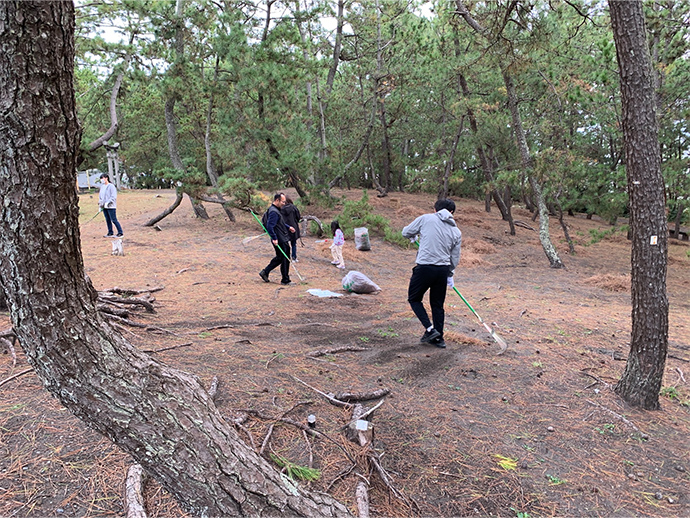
[277, 196]
[445, 203]
[334, 226]
[104, 175]
[288, 200]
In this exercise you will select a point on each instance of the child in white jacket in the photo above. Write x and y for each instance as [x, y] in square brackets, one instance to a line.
[337, 246]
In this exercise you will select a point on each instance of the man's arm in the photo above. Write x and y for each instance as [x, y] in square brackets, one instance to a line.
[413, 228]
[271, 221]
[455, 255]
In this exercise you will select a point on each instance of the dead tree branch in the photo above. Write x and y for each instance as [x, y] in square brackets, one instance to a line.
[334, 350]
[15, 376]
[134, 494]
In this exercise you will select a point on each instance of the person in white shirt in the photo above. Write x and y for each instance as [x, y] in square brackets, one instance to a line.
[107, 201]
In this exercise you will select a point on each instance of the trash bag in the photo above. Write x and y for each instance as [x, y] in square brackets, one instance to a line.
[357, 282]
[362, 239]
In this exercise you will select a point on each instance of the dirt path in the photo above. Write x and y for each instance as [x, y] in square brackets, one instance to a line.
[463, 432]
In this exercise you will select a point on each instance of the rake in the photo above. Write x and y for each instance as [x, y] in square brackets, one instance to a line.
[500, 341]
[279, 248]
[252, 238]
[94, 216]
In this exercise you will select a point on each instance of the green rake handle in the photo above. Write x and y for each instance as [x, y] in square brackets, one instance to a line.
[500, 341]
[279, 248]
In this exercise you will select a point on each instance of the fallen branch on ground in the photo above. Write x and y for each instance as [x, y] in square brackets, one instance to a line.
[329, 397]
[7, 380]
[362, 498]
[598, 380]
[349, 397]
[334, 350]
[615, 414]
[150, 351]
[522, 224]
[134, 494]
[130, 293]
[213, 389]
[304, 427]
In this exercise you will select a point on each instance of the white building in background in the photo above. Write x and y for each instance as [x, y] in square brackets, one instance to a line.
[89, 179]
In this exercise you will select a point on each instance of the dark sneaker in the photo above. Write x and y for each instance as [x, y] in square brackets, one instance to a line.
[108, 235]
[440, 343]
[288, 283]
[119, 235]
[264, 276]
[428, 336]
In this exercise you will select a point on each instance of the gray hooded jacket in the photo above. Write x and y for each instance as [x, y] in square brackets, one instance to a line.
[440, 239]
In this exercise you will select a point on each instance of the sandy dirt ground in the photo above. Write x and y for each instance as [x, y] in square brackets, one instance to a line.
[536, 431]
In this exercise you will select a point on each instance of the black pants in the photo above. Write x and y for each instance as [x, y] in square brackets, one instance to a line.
[281, 260]
[435, 280]
[110, 220]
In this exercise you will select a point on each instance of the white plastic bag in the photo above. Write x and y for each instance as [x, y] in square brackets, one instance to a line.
[362, 239]
[357, 282]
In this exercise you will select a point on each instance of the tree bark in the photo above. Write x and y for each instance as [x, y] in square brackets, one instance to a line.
[641, 381]
[161, 416]
[380, 92]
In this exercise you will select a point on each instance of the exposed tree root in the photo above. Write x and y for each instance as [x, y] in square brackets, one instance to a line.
[134, 301]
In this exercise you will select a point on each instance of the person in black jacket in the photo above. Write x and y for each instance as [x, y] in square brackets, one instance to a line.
[279, 231]
[292, 216]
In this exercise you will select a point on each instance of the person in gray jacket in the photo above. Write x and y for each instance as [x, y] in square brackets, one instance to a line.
[107, 201]
[437, 258]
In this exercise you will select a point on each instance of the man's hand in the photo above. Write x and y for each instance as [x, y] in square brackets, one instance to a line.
[274, 241]
[450, 282]
[292, 229]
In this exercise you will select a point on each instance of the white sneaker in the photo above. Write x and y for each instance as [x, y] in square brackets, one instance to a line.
[335, 262]
[341, 266]
[295, 260]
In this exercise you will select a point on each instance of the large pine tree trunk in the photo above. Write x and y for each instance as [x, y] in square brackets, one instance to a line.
[162, 417]
[644, 370]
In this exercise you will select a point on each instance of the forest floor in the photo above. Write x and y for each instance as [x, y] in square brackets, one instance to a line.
[537, 431]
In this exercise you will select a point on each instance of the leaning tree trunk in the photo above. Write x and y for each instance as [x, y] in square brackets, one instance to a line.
[544, 235]
[644, 369]
[162, 417]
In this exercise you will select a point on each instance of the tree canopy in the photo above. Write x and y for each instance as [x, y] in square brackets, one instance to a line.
[312, 93]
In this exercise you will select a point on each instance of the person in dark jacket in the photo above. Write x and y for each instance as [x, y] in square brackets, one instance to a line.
[292, 216]
[279, 231]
